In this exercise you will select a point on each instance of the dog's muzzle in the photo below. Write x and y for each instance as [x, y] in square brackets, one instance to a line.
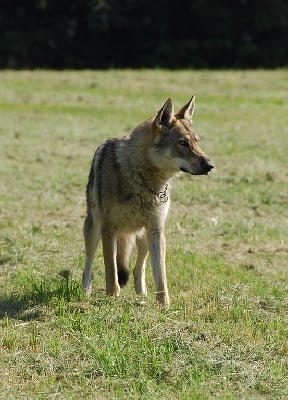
[203, 168]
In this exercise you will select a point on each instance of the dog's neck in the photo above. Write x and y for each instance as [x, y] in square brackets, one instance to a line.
[159, 189]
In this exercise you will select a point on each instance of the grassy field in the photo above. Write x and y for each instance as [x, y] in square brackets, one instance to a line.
[225, 335]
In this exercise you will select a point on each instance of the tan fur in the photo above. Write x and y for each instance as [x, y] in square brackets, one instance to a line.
[128, 198]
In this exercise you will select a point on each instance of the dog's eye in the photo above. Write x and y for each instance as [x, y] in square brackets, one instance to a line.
[183, 143]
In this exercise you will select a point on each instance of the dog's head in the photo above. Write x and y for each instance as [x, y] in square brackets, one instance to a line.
[175, 142]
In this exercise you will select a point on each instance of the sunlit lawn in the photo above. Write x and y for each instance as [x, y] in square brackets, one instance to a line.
[225, 334]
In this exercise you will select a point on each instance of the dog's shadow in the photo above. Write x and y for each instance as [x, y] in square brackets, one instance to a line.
[21, 308]
[32, 302]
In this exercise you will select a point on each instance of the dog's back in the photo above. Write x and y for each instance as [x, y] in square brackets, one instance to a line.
[117, 190]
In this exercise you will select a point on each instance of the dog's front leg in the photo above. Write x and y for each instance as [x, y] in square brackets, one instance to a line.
[157, 248]
[109, 243]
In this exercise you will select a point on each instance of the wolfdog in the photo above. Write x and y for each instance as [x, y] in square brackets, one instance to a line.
[128, 197]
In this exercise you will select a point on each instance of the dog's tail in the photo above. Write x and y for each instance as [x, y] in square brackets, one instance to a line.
[123, 275]
[125, 244]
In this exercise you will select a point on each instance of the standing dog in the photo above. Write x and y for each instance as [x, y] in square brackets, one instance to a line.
[128, 197]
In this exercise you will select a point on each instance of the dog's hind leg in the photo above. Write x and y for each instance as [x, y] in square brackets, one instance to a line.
[139, 271]
[92, 236]
[125, 245]
[109, 242]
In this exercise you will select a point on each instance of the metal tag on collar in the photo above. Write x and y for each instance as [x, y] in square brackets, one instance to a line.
[163, 195]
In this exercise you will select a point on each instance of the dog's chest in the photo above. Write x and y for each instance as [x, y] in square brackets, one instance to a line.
[139, 211]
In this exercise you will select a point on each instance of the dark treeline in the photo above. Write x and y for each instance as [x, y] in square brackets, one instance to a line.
[143, 33]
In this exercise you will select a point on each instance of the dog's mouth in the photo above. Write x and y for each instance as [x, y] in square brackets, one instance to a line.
[185, 170]
[198, 172]
[203, 169]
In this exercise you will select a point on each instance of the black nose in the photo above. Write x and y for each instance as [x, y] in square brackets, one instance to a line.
[210, 166]
[207, 165]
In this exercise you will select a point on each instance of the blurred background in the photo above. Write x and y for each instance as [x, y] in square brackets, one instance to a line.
[143, 33]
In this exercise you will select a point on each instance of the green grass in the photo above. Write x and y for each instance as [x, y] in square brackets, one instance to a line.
[225, 335]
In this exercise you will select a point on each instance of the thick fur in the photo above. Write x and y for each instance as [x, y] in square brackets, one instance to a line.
[128, 197]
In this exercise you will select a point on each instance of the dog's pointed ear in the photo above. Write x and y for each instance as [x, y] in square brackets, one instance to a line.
[187, 111]
[165, 115]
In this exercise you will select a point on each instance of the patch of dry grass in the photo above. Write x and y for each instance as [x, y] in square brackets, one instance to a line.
[225, 335]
